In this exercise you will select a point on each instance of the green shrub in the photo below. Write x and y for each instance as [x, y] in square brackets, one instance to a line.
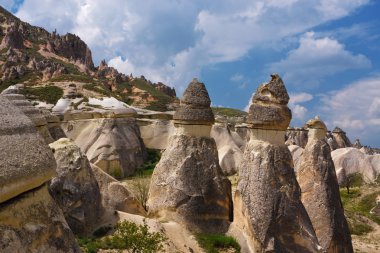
[154, 156]
[49, 94]
[359, 228]
[211, 243]
[127, 235]
[229, 112]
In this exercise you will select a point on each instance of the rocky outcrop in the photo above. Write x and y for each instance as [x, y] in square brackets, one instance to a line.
[165, 89]
[268, 213]
[357, 144]
[296, 136]
[349, 161]
[75, 188]
[229, 145]
[115, 196]
[33, 113]
[341, 138]
[12, 39]
[296, 152]
[320, 191]
[110, 139]
[188, 185]
[30, 220]
[156, 132]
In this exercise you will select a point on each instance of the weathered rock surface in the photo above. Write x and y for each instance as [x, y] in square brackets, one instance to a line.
[195, 106]
[296, 136]
[115, 196]
[268, 213]
[188, 185]
[341, 138]
[156, 133]
[229, 152]
[348, 161]
[75, 188]
[13, 38]
[269, 106]
[110, 141]
[296, 152]
[30, 220]
[320, 191]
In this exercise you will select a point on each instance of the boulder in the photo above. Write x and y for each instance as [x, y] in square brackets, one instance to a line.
[75, 188]
[320, 191]
[30, 220]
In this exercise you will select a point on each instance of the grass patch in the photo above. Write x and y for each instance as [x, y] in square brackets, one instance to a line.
[97, 88]
[49, 94]
[212, 243]
[359, 228]
[154, 156]
[72, 77]
[228, 112]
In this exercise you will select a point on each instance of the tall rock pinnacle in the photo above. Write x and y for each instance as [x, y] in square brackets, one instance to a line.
[268, 213]
[320, 191]
[188, 185]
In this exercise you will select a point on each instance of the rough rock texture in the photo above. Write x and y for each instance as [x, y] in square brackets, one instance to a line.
[33, 113]
[115, 196]
[54, 125]
[113, 144]
[341, 138]
[296, 152]
[30, 220]
[269, 106]
[14, 39]
[357, 144]
[195, 106]
[268, 212]
[296, 136]
[33, 222]
[75, 188]
[229, 148]
[187, 186]
[348, 161]
[165, 89]
[320, 192]
[155, 133]
[26, 161]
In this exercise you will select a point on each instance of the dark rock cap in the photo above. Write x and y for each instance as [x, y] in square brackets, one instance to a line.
[338, 130]
[195, 106]
[269, 108]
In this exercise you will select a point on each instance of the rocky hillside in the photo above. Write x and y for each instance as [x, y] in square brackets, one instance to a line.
[39, 59]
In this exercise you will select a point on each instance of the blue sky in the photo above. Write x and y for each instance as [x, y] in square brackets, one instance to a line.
[327, 51]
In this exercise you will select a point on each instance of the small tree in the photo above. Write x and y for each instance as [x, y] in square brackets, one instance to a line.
[353, 180]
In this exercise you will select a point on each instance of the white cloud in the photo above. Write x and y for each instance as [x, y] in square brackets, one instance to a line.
[175, 39]
[237, 78]
[356, 109]
[316, 58]
[298, 111]
[296, 98]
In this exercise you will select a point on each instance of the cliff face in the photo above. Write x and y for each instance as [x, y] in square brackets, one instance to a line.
[35, 57]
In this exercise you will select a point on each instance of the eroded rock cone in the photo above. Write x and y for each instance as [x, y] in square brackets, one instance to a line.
[268, 213]
[320, 191]
[75, 188]
[341, 138]
[188, 185]
[30, 220]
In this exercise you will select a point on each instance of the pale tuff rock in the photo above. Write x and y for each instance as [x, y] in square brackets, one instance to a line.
[341, 139]
[115, 196]
[229, 152]
[348, 161]
[30, 220]
[155, 132]
[188, 185]
[296, 136]
[320, 191]
[296, 152]
[33, 113]
[269, 108]
[26, 161]
[75, 188]
[110, 140]
[268, 213]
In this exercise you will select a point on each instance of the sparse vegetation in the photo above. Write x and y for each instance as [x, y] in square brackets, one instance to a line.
[212, 243]
[48, 94]
[154, 156]
[228, 112]
[127, 235]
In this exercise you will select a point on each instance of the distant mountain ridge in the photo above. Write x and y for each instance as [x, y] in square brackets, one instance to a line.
[33, 56]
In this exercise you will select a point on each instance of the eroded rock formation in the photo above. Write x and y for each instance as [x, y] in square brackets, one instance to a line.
[188, 185]
[75, 188]
[268, 213]
[341, 138]
[320, 191]
[30, 220]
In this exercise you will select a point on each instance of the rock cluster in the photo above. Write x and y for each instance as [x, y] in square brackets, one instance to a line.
[340, 138]
[165, 89]
[75, 188]
[268, 212]
[320, 191]
[29, 218]
[12, 39]
[188, 185]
